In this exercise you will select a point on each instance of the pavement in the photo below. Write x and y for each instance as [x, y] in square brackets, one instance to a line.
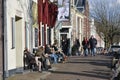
[83, 68]
[0, 77]
[29, 76]
[32, 75]
[76, 68]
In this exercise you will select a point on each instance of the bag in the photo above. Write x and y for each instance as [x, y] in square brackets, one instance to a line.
[47, 62]
[40, 59]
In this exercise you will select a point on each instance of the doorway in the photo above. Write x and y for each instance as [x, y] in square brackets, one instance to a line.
[18, 42]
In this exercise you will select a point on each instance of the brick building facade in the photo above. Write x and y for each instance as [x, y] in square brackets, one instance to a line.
[86, 20]
[83, 7]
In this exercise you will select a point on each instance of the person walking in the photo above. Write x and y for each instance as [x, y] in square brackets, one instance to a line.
[85, 44]
[93, 43]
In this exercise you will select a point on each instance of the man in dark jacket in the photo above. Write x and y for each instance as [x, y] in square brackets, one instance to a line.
[93, 43]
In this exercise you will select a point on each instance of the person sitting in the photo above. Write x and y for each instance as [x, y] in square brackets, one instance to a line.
[41, 53]
[54, 56]
[47, 61]
[61, 55]
[28, 59]
[38, 62]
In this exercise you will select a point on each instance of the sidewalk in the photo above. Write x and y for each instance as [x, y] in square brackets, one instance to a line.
[76, 68]
[31, 75]
[82, 68]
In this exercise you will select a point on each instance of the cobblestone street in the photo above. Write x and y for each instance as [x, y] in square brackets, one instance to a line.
[82, 68]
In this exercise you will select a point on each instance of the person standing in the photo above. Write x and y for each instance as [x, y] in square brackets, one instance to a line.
[77, 43]
[64, 46]
[93, 43]
[85, 44]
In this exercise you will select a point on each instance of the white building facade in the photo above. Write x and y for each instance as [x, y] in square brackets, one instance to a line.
[18, 34]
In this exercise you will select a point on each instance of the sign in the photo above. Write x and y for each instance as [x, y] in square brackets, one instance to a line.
[63, 10]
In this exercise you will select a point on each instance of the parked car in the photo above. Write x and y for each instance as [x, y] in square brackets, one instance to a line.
[113, 49]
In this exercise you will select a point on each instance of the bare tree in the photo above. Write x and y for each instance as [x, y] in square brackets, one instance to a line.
[107, 19]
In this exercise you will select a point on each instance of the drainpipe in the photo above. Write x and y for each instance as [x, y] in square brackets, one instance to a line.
[3, 74]
[4, 38]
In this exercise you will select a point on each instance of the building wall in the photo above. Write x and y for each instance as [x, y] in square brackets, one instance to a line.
[17, 16]
[73, 24]
[79, 25]
[83, 7]
[73, 29]
[77, 19]
[86, 20]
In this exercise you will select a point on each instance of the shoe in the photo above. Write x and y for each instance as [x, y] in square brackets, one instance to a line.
[40, 71]
[63, 62]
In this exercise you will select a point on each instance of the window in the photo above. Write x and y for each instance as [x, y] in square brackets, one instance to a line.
[43, 36]
[36, 37]
[13, 33]
[26, 35]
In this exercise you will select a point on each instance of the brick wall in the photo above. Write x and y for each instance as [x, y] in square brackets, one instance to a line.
[86, 21]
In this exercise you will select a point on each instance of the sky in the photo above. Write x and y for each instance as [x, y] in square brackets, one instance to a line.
[111, 2]
[118, 1]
